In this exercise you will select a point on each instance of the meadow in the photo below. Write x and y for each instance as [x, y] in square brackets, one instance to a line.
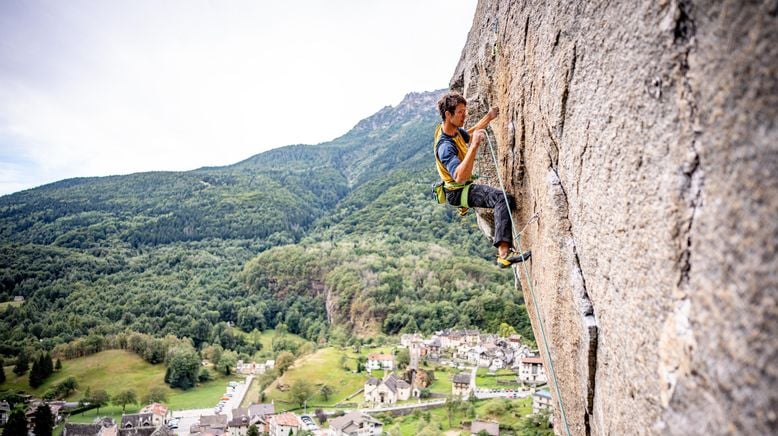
[118, 370]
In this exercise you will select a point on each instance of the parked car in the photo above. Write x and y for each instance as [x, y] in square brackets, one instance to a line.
[308, 422]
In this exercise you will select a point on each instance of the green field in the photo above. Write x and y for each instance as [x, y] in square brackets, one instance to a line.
[506, 412]
[265, 338]
[118, 370]
[484, 380]
[322, 367]
[7, 304]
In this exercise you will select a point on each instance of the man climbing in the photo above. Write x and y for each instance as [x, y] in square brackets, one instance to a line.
[455, 162]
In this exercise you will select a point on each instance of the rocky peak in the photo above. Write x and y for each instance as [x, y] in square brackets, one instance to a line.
[413, 106]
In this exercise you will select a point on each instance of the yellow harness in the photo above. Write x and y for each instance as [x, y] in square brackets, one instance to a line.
[449, 184]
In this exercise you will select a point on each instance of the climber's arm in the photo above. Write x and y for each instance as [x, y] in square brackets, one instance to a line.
[484, 122]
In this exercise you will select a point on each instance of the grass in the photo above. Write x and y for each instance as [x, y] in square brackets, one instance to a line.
[484, 380]
[443, 380]
[506, 412]
[265, 338]
[118, 370]
[322, 367]
[8, 304]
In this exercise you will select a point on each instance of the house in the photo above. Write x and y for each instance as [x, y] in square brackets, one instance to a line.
[541, 401]
[531, 370]
[472, 337]
[54, 406]
[261, 410]
[484, 359]
[433, 346]
[284, 424]
[491, 428]
[379, 361]
[390, 390]
[460, 386]
[210, 425]
[356, 424]
[103, 427]
[159, 412]
[5, 411]
[473, 354]
[255, 414]
[137, 424]
[450, 339]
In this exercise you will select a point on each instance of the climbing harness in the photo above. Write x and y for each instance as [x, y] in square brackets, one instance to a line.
[449, 184]
[517, 239]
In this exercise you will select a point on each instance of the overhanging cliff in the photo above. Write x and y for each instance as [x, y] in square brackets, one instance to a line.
[644, 136]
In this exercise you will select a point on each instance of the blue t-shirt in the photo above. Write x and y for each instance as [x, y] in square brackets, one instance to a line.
[447, 150]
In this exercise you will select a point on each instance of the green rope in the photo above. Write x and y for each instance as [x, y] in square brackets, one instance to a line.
[517, 238]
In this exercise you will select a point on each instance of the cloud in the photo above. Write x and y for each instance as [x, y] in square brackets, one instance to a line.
[96, 88]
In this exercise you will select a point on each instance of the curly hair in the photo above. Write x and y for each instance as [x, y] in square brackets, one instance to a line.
[449, 102]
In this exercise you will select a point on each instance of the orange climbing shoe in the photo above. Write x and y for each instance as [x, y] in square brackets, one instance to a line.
[512, 258]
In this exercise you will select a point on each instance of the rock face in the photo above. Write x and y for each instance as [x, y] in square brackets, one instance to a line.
[644, 136]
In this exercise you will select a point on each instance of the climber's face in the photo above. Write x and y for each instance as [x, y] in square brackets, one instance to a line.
[460, 113]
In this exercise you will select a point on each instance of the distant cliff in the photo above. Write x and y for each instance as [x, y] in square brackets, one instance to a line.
[644, 135]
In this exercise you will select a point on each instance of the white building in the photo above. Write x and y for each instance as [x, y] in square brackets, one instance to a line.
[541, 401]
[284, 424]
[390, 390]
[380, 361]
[531, 370]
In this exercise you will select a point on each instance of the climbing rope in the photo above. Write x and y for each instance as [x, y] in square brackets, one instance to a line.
[517, 239]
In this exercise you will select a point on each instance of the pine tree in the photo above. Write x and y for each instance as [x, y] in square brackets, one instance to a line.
[22, 363]
[43, 422]
[48, 365]
[58, 365]
[16, 425]
[36, 374]
[2, 372]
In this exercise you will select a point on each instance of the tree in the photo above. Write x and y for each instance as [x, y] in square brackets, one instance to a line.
[67, 386]
[227, 361]
[43, 422]
[301, 391]
[506, 330]
[453, 404]
[284, 360]
[22, 364]
[325, 392]
[100, 399]
[403, 358]
[58, 365]
[2, 372]
[124, 398]
[183, 366]
[155, 395]
[16, 425]
[253, 430]
[36, 374]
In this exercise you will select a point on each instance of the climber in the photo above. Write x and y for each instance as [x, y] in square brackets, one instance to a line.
[455, 161]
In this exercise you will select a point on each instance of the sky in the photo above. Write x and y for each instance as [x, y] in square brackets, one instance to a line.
[104, 87]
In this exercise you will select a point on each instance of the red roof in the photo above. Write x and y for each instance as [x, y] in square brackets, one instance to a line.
[376, 356]
[155, 408]
[287, 419]
[533, 359]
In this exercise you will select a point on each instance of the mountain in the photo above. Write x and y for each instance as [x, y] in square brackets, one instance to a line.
[337, 238]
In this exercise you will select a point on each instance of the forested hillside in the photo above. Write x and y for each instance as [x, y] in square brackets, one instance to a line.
[336, 238]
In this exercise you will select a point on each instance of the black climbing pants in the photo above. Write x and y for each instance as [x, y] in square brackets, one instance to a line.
[491, 198]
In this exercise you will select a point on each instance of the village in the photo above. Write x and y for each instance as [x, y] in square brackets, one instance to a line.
[388, 388]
